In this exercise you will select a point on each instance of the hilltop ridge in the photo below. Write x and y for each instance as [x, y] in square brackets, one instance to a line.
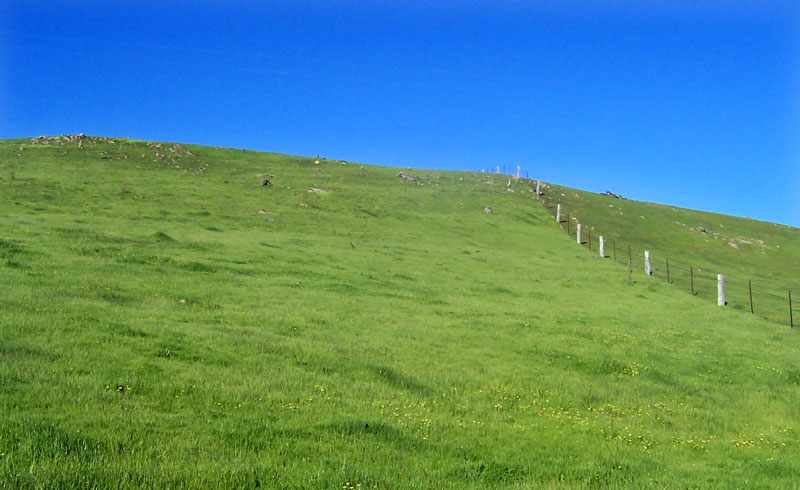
[169, 321]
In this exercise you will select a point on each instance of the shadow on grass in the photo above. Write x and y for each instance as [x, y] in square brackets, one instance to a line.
[399, 380]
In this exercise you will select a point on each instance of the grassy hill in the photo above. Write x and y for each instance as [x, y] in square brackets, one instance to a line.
[697, 244]
[167, 321]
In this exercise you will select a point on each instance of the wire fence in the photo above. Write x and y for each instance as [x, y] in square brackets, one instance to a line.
[761, 296]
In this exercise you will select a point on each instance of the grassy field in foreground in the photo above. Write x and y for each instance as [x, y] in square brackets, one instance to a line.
[166, 321]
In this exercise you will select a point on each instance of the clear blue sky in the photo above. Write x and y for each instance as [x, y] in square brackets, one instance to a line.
[659, 101]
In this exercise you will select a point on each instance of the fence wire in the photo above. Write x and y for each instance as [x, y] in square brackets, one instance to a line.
[763, 296]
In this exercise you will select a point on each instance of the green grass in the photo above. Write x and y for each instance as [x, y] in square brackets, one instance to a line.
[766, 254]
[169, 322]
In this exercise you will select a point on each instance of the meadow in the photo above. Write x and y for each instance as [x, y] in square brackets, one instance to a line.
[167, 321]
[754, 256]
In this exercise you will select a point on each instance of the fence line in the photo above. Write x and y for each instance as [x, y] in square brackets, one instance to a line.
[742, 292]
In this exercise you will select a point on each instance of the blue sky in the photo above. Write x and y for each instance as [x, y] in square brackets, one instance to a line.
[658, 101]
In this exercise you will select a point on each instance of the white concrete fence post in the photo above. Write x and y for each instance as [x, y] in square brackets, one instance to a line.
[579, 233]
[558, 214]
[602, 249]
[720, 289]
[518, 170]
[647, 269]
[498, 169]
[538, 184]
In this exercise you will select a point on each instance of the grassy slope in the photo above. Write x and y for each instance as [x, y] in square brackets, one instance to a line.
[742, 249]
[381, 335]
